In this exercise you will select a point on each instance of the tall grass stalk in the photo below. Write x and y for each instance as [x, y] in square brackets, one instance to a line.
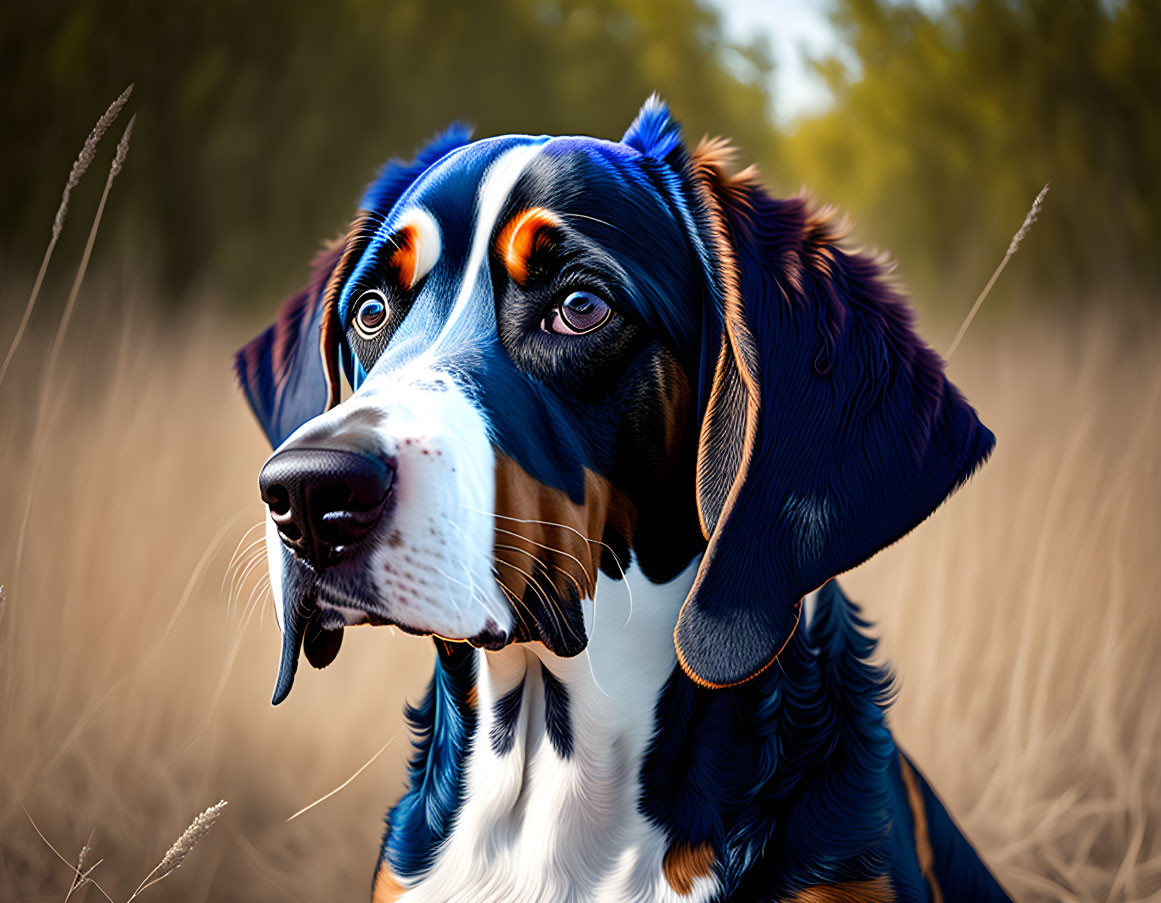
[78, 877]
[1022, 619]
[1013, 247]
[197, 831]
[80, 165]
[54, 354]
[182, 847]
[347, 782]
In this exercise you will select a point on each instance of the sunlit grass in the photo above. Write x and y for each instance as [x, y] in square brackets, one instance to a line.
[1023, 619]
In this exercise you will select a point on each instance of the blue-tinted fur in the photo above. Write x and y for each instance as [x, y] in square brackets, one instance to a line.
[787, 777]
[958, 868]
[791, 777]
[442, 726]
[283, 395]
[784, 776]
[857, 435]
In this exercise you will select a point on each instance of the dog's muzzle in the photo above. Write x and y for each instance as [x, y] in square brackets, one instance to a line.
[324, 502]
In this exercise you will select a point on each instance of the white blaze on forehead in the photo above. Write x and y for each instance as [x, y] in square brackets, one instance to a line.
[495, 188]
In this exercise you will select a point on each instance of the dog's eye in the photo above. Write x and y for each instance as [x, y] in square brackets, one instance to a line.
[371, 313]
[578, 313]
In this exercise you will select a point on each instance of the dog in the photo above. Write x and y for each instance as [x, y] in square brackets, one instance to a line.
[618, 419]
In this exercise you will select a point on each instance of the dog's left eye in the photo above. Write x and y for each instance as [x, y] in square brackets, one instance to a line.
[577, 314]
[371, 313]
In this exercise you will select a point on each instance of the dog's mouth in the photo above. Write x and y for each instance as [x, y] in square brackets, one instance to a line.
[313, 625]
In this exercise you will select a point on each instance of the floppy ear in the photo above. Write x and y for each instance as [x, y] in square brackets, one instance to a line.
[290, 373]
[829, 429]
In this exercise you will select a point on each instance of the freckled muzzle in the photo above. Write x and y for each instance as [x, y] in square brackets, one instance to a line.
[324, 502]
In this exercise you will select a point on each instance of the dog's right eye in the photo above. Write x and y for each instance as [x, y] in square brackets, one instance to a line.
[371, 313]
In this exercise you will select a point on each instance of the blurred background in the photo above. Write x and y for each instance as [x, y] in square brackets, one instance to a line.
[137, 646]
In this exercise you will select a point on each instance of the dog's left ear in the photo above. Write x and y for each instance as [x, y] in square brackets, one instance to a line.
[829, 428]
[290, 373]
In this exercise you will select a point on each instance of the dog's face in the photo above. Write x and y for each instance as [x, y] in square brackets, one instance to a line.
[568, 354]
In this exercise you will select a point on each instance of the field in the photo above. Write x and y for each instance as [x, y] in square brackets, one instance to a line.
[136, 663]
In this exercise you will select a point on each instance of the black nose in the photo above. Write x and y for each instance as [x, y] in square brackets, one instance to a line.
[324, 501]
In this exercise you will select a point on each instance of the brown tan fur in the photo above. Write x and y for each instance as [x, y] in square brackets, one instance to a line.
[386, 888]
[684, 864]
[877, 890]
[536, 523]
[526, 234]
[330, 333]
[923, 849]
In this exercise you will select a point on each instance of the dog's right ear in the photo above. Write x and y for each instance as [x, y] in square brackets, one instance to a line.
[290, 373]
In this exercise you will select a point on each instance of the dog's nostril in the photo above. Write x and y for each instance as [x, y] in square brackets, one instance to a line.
[277, 498]
[323, 501]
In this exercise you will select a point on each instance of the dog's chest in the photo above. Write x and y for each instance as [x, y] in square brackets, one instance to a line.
[550, 810]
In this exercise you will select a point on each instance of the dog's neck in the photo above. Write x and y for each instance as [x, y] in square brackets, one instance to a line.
[550, 781]
[611, 776]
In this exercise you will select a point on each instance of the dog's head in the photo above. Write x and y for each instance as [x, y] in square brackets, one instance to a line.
[567, 353]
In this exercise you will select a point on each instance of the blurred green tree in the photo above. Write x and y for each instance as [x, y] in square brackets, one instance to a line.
[261, 121]
[947, 122]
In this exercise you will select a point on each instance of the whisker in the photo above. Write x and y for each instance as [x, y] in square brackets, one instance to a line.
[251, 566]
[232, 650]
[238, 562]
[549, 523]
[532, 582]
[241, 552]
[487, 602]
[548, 548]
[256, 593]
[237, 548]
[595, 220]
[266, 585]
[203, 562]
[550, 564]
[510, 594]
[454, 601]
[557, 613]
[239, 579]
[247, 613]
[612, 552]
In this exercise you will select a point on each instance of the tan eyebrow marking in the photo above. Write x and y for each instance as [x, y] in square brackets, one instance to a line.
[417, 244]
[524, 234]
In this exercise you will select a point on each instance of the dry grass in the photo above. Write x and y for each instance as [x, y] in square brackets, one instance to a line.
[80, 166]
[1023, 620]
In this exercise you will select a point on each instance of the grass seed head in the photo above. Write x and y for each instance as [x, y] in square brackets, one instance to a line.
[190, 838]
[86, 156]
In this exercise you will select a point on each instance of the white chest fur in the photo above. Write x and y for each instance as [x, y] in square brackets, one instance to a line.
[537, 827]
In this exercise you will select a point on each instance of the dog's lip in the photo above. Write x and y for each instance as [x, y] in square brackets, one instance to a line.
[334, 599]
[302, 631]
[491, 637]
